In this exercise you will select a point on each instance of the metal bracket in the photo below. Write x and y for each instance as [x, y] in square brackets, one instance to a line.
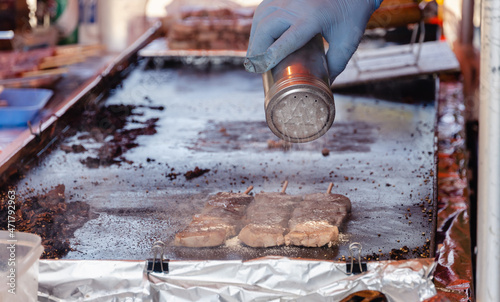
[428, 9]
[355, 267]
[158, 265]
[38, 136]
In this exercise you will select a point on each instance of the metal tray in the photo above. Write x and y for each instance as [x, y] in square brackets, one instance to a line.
[382, 156]
[159, 48]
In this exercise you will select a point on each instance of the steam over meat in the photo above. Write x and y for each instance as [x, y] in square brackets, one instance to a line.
[272, 219]
[316, 220]
[267, 219]
[220, 219]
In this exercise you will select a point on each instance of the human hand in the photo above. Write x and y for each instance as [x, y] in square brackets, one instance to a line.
[282, 26]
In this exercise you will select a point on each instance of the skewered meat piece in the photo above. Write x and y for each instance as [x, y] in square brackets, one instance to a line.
[194, 11]
[211, 29]
[14, 63]
[267, 219]
[220, 219]
[316, 220]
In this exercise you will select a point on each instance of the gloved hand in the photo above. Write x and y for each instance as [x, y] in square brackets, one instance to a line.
[282, 26]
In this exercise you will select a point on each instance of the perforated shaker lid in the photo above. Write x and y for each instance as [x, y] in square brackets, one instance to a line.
[300, 113]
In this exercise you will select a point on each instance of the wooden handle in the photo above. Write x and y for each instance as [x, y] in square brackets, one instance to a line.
[248, 190]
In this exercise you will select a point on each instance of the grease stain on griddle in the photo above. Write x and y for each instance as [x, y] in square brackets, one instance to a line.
[172, 175]
[197, 172]
[75, 148]
[255, 135]
[49, 216]
[106, 125]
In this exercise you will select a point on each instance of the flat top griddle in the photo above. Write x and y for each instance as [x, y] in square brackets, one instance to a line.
[381, 156]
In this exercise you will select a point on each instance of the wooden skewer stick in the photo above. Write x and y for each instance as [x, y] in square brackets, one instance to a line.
[37, 73]
[248, 190]
[80, 49]
[330, 187]
[283, 189]
[61, 61]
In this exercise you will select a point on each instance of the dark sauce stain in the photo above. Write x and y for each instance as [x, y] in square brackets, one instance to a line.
[49, 216]
[100, 123]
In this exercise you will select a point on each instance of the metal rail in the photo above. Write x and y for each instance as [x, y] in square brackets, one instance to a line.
[29, 143]
[488, 259]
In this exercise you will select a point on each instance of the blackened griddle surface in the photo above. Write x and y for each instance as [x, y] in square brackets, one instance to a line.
[381, 156]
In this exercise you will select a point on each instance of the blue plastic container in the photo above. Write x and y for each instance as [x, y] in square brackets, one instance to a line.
[23, 105]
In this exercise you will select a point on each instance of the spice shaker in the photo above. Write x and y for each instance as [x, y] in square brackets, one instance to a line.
[299, 103]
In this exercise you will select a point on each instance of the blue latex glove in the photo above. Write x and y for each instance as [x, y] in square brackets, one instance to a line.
[282, 26]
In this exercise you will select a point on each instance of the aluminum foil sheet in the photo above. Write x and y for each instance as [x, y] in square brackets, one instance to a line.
[454, 272]
[92, 280]
[264, 279]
